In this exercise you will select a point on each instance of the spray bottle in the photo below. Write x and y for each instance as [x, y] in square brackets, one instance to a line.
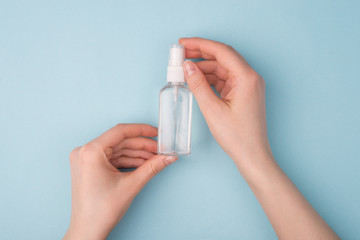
[174, 133]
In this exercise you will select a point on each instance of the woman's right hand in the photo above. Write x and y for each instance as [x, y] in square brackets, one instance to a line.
[236, 118]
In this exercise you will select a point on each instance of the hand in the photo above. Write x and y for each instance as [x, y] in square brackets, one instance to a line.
[236, 119]
[101, 194]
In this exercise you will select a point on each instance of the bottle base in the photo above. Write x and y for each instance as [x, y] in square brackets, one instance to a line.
[174, 154]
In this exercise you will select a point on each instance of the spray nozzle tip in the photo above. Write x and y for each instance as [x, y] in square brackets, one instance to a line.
[176, 55]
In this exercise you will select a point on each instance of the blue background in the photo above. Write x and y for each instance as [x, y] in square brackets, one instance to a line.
[69, 70]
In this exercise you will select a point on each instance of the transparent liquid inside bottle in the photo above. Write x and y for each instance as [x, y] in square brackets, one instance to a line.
[174, 134]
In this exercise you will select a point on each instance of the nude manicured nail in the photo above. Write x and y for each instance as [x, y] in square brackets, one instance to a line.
[170, 159]
[189, 68]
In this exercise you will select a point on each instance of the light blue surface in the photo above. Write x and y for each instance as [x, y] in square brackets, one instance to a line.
[70, 70]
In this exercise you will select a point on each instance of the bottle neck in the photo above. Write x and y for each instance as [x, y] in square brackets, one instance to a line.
[175, 74]
[176, 83]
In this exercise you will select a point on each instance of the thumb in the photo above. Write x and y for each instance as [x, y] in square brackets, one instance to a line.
[199, 86]
[151, 167]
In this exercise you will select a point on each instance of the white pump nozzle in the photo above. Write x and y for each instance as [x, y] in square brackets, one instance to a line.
[175, 71]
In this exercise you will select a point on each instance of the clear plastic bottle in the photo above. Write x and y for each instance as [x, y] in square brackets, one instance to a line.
[174, 136]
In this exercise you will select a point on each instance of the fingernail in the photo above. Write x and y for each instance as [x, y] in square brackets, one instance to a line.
[170, 159]
[183, 38]
[108, 152]
[189, 68]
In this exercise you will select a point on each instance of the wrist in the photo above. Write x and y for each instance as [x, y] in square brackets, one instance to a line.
[246, 157]
[80, 232]
[258, 167]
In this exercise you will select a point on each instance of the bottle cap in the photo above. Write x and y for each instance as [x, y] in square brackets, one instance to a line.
[175, 72]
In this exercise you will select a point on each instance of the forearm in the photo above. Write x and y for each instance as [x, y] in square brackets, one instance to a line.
[290, 214]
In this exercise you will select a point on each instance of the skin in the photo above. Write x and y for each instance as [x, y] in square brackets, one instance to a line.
[101, 194]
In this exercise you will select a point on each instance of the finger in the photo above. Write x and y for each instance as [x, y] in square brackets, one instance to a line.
[190, 54]
[118, 133]
[215, 81]
[213, 67]
[133, 154]
[127, 162]
[137, 143]
[225, 91]
[224, 54]
[150, 168]
[199, 86]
